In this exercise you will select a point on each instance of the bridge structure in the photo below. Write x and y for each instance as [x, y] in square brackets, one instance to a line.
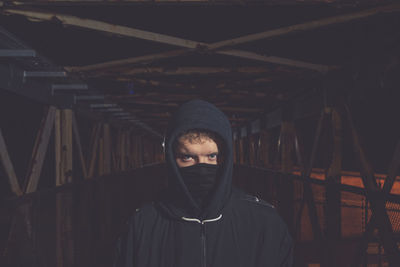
[87, 89]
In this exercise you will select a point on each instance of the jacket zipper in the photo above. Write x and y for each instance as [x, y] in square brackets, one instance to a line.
[202, 235]
[203, 245]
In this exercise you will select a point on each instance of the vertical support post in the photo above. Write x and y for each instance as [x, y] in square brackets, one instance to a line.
[123, 150]
[93, 155]
[308, 196]
[286, 185]
[63, 143]
[107, 149]
[263, 149]
[100, 164]
[66, 142]
[77, 139]
[129, 149]
[241, 150]
[333, 195]
[251, 155]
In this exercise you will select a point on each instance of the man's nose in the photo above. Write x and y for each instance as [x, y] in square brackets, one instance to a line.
[202, 160]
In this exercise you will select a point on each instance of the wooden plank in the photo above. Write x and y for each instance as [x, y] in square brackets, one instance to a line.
[105, 27]
[64, 200]
[122, 151]
[264, 148]
[308, 196]
[57, 145]
[39, 154]
[93, 154]
[77, 139]
[8, 167]
[305, 26]
[287, 145]
[235, 53]
[128, 61]
[161, 71]
[66, 144]
[228, 43]
[277, 60]
[156, 37]
[207, 3]
[251, 148]
[107, 148]
[128, 150]
[286, 183]
[100, 164]
[333, 193]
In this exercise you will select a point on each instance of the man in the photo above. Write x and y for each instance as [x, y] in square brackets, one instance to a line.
[203, 221]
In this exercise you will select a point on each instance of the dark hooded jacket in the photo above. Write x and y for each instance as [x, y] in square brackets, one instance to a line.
[234, 229]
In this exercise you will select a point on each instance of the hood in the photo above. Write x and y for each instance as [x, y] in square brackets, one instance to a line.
[197, 114]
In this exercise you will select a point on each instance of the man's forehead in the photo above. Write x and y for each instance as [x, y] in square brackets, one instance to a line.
[207, 145]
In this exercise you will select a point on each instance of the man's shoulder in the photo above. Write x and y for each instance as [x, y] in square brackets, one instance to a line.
[255, 201]
[142, 213]
[251, 200]
[247, 203]
[257, 211]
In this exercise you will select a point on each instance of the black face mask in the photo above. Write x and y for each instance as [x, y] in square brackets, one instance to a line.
[200, 179]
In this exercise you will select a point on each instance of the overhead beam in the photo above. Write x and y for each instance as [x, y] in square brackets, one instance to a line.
[258, 36]
[154, 37]
[106, 27]
[128, 61]
[191, 71]
[206, 2]
[277, 60]
[304, 26]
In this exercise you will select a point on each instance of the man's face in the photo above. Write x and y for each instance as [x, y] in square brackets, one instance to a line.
[204, 150]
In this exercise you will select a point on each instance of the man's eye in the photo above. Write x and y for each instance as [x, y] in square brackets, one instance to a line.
[186, 157]
[213, 156]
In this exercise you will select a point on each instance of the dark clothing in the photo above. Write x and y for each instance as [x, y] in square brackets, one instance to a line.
[232, 229]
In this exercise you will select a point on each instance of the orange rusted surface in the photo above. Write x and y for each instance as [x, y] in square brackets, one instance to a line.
[354, 179]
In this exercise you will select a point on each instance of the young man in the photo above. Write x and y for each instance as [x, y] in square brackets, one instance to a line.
[203, 221]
